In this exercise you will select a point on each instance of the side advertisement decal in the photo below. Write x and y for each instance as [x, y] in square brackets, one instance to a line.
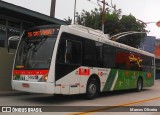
[110, 80]
[83, 71]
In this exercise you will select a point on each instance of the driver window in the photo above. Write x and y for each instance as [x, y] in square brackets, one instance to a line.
[69, 52]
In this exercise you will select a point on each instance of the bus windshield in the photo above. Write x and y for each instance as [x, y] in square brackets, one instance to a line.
[35, 49]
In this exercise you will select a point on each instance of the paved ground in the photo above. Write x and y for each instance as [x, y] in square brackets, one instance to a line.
[148, 97]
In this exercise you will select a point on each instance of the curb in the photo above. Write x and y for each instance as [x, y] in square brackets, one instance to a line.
[12, 93]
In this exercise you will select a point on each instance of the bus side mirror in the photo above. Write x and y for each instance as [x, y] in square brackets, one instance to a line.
[12, 44]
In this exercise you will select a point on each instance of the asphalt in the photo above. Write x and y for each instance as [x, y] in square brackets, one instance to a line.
[12, 93]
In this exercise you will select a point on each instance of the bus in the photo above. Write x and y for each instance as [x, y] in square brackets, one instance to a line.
[73, 59]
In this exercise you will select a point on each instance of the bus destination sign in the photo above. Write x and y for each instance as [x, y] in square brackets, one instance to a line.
[40, 33]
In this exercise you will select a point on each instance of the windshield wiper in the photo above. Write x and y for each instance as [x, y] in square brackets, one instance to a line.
[33, 47]
[27, 51]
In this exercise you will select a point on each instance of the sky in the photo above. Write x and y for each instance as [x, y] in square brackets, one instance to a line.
[145, 10]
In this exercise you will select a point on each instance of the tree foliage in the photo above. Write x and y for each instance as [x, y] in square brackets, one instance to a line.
[129, 23]
[69, 20]
[114, 24]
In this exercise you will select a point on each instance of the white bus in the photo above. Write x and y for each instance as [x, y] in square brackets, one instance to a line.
[73, 59]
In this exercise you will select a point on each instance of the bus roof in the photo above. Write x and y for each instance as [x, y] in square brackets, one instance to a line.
[104, 38]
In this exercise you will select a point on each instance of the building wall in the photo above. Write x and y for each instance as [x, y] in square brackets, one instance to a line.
[8, 27]
[11, 27]
[149, 44]
[157, 48]
[13, 21]
[157, 54]
[6, 62]
[152, 45]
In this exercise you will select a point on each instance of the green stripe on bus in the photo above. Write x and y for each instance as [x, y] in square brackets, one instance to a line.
[110, 80]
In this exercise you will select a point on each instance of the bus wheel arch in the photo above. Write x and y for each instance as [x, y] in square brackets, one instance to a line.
[139, 84]
[93, 87]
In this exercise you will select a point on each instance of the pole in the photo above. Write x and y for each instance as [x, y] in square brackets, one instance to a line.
[53, 5]
[75, 11]
[103, 15]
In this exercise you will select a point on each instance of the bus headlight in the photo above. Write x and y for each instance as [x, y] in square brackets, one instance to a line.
[44, 78]
[14, 77]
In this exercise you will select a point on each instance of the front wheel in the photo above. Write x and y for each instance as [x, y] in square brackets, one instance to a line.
[139, 84]
[92, 90]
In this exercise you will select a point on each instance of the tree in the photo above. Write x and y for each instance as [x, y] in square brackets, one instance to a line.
[129, 23]
[114, 24]
[69, 20]
[90, 19]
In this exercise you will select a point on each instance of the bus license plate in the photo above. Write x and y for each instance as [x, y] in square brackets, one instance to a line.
[25, 85]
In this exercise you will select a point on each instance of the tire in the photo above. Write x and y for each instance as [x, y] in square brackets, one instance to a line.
[139, 85]
[92, 89]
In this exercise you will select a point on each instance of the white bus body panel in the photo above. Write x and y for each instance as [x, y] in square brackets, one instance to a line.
[76, 84]
[35, 87]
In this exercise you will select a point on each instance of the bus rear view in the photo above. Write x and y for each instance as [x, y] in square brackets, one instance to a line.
[33, 60]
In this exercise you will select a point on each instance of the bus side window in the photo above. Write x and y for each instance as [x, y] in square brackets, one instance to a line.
[68, 52]
[99, 54]
[73, 52]
[147, 63]
[109, 56]
[89, 53]
[61, 51]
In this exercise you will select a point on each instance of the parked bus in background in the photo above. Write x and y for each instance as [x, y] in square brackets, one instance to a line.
[74, 59]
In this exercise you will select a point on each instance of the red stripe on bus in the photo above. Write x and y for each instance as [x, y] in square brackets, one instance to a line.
[30, 72]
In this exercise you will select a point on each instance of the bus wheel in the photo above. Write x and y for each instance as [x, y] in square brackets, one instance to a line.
[139, 84]
[92, 89]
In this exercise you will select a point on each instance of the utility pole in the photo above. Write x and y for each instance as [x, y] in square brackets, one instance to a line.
[53, 5]
[103, 15]
[103, 12]
[75, 11]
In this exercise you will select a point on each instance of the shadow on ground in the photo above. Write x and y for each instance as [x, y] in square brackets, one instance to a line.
[45, 99]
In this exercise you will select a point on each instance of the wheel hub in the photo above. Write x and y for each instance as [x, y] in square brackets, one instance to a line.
[92, 89]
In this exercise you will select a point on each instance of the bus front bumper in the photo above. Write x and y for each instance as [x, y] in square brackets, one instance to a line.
[34, 87]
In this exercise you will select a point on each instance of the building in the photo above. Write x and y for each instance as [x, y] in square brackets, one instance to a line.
[157, 54]
[13, 21]
[152, 45]
[148, 44]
